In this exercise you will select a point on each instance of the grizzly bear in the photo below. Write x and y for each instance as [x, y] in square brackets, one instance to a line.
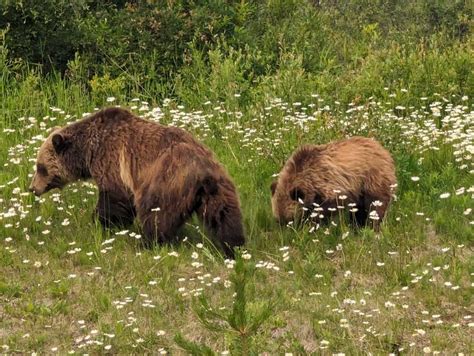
[161, 174]
[317, 180]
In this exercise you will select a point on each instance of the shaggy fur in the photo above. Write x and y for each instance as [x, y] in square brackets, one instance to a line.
[140, 166]
[359, 168]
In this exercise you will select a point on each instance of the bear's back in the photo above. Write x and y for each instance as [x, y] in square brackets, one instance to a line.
[359, 155]
[109, 117]
[116, 123]
[339, 164]
[353, 155]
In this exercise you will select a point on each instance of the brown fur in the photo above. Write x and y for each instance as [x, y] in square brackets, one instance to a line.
[138, 166]
[358, 167]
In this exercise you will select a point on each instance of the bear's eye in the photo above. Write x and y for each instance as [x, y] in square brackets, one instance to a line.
[41, 169]
[297, 194]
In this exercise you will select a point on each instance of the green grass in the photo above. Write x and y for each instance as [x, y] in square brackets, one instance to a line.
[66, 287]
[253, 80]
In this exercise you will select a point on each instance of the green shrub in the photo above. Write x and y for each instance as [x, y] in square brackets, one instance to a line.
[199, 51]
[105, 86]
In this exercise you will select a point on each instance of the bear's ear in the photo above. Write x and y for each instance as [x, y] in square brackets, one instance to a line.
[296, 194]
[273, 187]
[60, 143]
[209, 184]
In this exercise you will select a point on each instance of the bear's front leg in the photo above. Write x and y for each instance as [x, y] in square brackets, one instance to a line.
[375, 206]
[115, 208]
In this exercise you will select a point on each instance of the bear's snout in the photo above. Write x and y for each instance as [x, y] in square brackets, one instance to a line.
[34, 191]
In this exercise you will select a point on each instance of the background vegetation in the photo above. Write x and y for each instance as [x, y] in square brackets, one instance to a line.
[253, 80]
[209, 50]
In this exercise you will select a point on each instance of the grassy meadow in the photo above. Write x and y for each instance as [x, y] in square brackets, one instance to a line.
[68, 286]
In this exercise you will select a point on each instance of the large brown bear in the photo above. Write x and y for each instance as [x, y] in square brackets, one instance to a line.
[317, 180]
[161, 174]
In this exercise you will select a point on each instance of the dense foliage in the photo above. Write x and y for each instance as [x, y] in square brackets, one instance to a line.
[210, 50]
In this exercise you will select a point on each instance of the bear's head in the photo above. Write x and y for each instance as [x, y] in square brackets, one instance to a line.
[54, 165]
[287, 200]
[293, 193]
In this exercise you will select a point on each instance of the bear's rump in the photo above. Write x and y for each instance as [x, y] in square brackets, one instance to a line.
[174, 178]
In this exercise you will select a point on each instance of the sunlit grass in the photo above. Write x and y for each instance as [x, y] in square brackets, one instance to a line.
[67, 285]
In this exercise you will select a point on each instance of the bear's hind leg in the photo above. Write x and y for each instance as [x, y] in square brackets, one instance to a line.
[114, 209]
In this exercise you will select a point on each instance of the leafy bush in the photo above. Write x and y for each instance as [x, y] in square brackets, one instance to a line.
[213, 50]
[44, 32]
[105, 86]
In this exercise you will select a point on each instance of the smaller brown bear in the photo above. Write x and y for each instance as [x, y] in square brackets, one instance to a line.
[162, 174]
[317, 180]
